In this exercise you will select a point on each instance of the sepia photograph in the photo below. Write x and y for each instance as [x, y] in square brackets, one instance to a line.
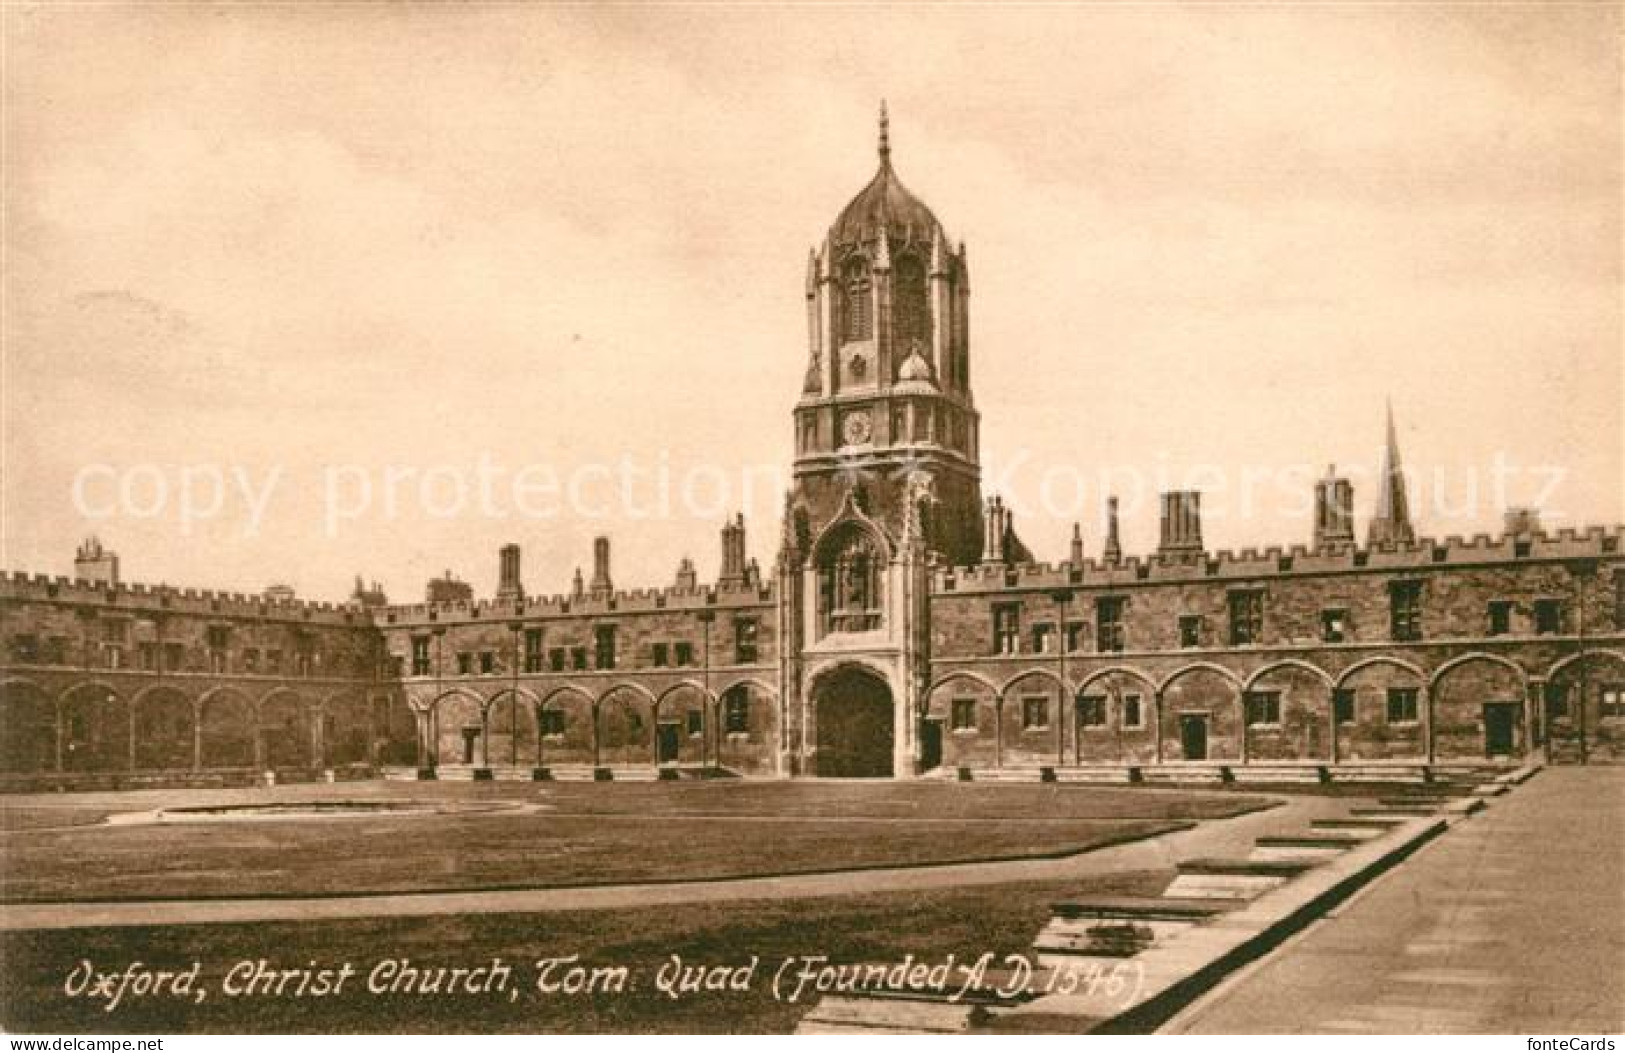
[514, 523]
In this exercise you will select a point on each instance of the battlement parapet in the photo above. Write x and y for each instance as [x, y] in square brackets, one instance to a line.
[588, 604]
[143, 597]
[1594, 542]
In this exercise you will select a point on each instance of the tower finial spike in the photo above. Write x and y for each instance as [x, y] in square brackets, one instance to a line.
[885, 134]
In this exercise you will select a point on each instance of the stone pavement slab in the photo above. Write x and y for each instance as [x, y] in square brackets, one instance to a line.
[1513, 922]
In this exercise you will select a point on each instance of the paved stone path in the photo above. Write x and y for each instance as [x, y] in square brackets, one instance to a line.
[1210, 838]
[1513, 922]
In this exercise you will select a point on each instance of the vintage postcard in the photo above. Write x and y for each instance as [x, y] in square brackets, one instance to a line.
[794, 519]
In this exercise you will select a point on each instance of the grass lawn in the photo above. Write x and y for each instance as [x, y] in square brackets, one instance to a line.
[589, 834]
[998, 919]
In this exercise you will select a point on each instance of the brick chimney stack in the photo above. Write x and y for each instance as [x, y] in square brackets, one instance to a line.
[1334, 511]
[94, 563]
[1181, 523]
[733, 552]
[1112, 552]
[600, 565]
[508, 585]
[1523, 521]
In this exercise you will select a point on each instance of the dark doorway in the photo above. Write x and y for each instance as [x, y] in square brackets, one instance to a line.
[1193, 736]
[670, 738]
[1500, 728]
[854, 730]
[930, 744]
[471, 735]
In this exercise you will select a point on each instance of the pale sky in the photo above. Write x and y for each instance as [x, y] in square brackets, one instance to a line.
[274, 240]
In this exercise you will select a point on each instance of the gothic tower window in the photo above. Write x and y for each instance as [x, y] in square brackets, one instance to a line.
[911, 318]
[857, 309]
[850, 566]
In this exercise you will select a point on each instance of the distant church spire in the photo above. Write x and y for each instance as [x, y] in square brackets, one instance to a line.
[885, 135]
[1391, 524]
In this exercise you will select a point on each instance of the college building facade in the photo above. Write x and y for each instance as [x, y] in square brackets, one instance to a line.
[903, 629]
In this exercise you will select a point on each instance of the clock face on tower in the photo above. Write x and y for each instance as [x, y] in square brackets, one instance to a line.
[855, 428]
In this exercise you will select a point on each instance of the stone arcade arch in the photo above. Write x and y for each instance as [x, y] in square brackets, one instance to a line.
[165, 728]
[626, 731]
[747, 721]
[1476, 702]
[854, 729]
[457, 728]
[1114, 717]
[1200, 714]
[27, 728]
[346, 729]
[284, 730]
[685, 725]
[95, 728]
[510, 722]
[226, 729]
[1581, 698]
[1303, 697]
[965, 707]
[567, 733]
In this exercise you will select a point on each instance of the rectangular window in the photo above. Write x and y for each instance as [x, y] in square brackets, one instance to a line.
[1133, 712]
[964, 714]
[736, 714]
[1092, 711]
[251, 658]
[1500, 617]
[696, 723]
[1109, 623]
[488, 663]
[1405, 610]
[1246, 617]
[1190, 630]
[112, 656]
[555, 659]
[533, 650]
[1075, 632]
[660, 655]
[1619, 600]
[1343, 706]
[420, 656]
[1043, 638]
[603, 637]
[578, 658]
[175, 659]
[1263, 708]
[115, 629]
[465, 663]
[685, 653]
[1334, 625]
[1034, 713]
[146, 656]
[553, 723]
[1007, 628]
[218, 637]
[1548, 617]
[745, 635]
[1402, 705]
[1611, 700]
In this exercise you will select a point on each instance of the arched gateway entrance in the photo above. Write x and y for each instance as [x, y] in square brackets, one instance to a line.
[853, 715]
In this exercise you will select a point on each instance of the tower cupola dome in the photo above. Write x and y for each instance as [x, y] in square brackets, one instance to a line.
[885, 205]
